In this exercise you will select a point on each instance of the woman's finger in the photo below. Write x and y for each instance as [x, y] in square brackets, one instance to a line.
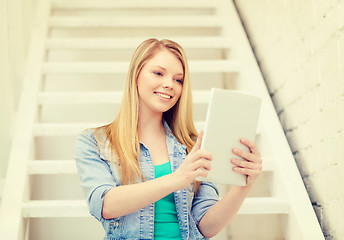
[200, 173]
[246, 155]
[246, 164]
[201, 154]
[249, 172]
[201, 163]
[251, 145]
[198, 143]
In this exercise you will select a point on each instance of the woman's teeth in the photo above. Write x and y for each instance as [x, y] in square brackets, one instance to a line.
[163, 95]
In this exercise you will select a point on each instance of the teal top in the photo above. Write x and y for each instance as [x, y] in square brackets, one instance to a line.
[166, 224]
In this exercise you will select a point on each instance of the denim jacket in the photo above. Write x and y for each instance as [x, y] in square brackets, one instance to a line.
[98, 175]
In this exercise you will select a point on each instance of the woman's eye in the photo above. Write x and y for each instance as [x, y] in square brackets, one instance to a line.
[158, 73]
[179, 81]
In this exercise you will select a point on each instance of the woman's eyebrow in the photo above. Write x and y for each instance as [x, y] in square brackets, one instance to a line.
[160, 67]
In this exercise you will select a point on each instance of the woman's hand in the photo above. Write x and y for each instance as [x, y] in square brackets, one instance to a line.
[224, 210]
[196, 164]
[252, 167]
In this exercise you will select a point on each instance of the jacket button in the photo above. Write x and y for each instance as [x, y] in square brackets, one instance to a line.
[115, 224]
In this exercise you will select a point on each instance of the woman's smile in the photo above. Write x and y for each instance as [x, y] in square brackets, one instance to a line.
[164, 96]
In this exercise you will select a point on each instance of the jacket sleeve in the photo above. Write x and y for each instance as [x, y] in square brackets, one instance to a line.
[94, 172]
[206, 196]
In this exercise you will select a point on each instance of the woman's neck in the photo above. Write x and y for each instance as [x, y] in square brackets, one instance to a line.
[150, 125]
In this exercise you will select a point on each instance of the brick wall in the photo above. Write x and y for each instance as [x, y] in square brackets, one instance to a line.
[299, 45]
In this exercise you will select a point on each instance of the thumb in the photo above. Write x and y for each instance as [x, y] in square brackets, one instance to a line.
[198, 143]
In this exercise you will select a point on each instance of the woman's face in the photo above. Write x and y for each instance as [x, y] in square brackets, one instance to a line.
[160, 83]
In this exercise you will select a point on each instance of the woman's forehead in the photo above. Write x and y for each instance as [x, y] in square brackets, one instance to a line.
[166, 60]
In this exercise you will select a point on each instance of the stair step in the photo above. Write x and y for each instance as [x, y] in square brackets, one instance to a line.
[55, 208]
[203, 66]
[40, 167]
[200, 96]
[264, 206]
[73, 129]
[78, 208]
[136, 4]
[62, 129]
[132, 43]
[134, 21]
[268, 165]
[47, 167]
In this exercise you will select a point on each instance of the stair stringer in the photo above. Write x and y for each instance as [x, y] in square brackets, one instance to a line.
[16, 188]
[302, 222]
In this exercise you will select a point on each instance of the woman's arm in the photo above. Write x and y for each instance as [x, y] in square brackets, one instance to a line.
[225, 209]
[123, 200]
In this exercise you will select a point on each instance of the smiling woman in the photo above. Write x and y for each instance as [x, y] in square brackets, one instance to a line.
[138, 172]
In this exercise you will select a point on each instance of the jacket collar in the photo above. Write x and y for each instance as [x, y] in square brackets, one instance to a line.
[171, 137]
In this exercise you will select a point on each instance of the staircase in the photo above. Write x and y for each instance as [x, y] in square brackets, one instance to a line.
[77, 64]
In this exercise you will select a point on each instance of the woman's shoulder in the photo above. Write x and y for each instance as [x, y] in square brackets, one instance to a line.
[96, 133]
[95, 136]
[87, 132]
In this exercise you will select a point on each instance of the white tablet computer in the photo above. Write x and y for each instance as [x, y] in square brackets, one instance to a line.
[231, 115]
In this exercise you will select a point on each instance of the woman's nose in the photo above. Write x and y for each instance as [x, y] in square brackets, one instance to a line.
[168, 83]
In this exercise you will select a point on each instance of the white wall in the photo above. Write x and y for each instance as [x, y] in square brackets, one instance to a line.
[15, 26]
[300, 48]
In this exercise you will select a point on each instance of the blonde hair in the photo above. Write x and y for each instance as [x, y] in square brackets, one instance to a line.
[122, 133]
